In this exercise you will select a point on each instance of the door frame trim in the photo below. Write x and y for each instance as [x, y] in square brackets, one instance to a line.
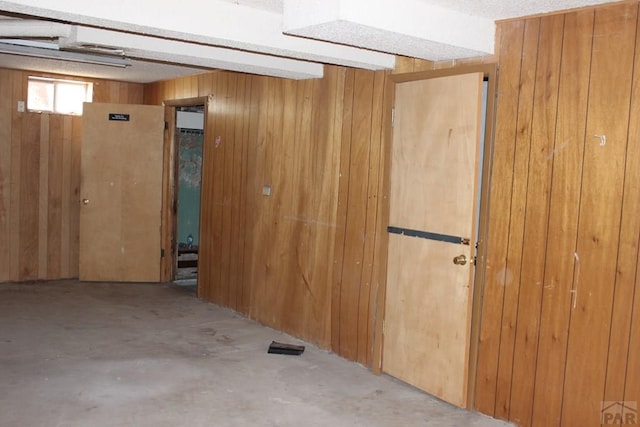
[169, 213]
[490, 72]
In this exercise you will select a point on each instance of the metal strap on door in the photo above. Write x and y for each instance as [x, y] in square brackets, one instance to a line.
[429, 236]
[458, 260]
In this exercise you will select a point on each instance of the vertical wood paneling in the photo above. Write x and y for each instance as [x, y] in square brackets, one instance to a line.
[43, 205]
[170, 90]
[318, 145]
[204, 84]
[54, 234]
[299, 201]
[511, 42]
[381, 243]
[117, 92]
[325, 131]
[625, 282]
[563, 217]
[226, 185]
[544, 199]
[563, 209]
[368, 233]
[134, 94]
[205, 269]
[632, 380]
[66, 206]
[512, 271]
[219, 288]
[568, 296]
[152, 94]
[18, 90]
[369, 284]
[624, 369]
[318, 283]
[536, 216]
[74, 197]
[255, 254]
[310, 222]
[39, 182]
[237, 195]
[351, 299]
[269, 108]
[341, 218]
[180, 91]
[6, 107]
[29, 188]
[279, 281]
[601, 197]
[251, 176]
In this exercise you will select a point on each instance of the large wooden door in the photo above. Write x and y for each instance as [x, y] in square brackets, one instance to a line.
[434, 176]
[121, 192]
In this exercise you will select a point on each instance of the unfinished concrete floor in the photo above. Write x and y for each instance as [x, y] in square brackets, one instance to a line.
[78, 354]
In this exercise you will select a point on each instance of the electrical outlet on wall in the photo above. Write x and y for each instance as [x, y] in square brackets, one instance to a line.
[20, 106]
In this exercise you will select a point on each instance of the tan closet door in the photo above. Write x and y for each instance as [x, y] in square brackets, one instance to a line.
[121, 192]
[434, 167]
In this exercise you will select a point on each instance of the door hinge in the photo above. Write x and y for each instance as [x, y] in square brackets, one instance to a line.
[166, 125]
[383, 325]
[162, 253]
[393, 117]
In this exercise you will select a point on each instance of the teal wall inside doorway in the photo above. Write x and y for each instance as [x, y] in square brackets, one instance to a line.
[189, 174]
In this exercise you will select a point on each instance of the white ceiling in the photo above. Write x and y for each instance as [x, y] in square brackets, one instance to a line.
[284, 38]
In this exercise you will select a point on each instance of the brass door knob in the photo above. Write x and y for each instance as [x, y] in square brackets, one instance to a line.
[85, 201]
[460, 260]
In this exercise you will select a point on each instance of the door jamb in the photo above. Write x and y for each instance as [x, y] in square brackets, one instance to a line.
[169, 208]
[490, 72]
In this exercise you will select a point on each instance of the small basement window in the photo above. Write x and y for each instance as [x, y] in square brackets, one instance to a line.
[45, 95]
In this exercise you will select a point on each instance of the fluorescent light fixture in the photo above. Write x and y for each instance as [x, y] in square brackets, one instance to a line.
[36, 52]
[44, 44]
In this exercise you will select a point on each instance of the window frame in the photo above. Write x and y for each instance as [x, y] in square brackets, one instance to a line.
[54, 101]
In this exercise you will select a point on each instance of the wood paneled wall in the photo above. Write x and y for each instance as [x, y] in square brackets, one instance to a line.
[559, 324]
[40, 181]
[303, 259]
[560, 330]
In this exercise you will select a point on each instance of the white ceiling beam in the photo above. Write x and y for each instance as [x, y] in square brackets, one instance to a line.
[32, 28]
[407, 27]
[144, 47]
[212, 22]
